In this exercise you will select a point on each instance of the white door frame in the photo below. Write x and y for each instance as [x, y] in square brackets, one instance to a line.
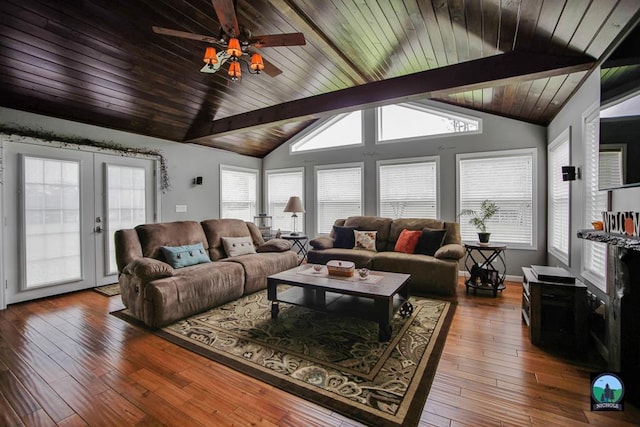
[3, 283]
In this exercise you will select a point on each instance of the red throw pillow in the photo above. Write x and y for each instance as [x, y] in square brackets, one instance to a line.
[407, 241]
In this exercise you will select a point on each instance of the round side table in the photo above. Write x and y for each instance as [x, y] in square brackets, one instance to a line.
[299, 244]
[487, 267]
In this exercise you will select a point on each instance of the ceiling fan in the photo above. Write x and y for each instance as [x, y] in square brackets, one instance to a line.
[236, 44]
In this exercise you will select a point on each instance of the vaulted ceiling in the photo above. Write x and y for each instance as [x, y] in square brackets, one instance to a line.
[99, 62]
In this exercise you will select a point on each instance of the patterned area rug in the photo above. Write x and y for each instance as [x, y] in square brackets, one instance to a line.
[108, 290]
[331, 360]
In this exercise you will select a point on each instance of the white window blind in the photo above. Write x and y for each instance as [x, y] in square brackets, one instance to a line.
[558, 198]
[280, 186]
[408, 189]
[338, 195]
[507, 179]
[238, 193]
[610, 168]
[339, 131]
[594, 253]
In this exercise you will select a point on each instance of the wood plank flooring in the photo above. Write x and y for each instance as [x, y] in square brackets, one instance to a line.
[65, 361]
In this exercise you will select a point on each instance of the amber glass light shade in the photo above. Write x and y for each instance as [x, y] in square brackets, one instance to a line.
[233, 48]
[256, 62]
[210, 56]
[234, 70]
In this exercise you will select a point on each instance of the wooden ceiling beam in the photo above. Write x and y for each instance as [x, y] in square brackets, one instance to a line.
[492, 71]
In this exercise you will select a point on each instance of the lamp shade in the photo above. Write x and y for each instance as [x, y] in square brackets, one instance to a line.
[210, 56]
[256, 62]
[294, 205]
[233, 48]
[234, 70]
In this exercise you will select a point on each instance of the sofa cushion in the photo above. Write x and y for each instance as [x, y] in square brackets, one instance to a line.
[400, 224]
[430, 241]
[451, 251]
[379, 224]
[453, 233]
[360, 258]
[344, 237]
[407, 241]
[258, 266]
[321, 242]
[365, 240]
[148, 269]
[274, 245]
[215, 229]
[235, 246]
[154, 236]
[186, 255]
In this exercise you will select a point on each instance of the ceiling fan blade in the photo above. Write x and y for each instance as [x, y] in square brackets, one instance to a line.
[270, 69]
[227, 16]
[185, 35]
[272, 40]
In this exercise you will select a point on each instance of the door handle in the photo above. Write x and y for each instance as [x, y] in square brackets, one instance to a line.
[98, 229]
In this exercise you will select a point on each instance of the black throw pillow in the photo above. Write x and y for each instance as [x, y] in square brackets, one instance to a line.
[430, 241]
[344, 237]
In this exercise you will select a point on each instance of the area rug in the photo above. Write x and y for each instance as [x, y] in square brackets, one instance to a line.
[108, 290]
[335, 361]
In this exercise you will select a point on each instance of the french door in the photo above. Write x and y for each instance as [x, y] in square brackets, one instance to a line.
[61, 218]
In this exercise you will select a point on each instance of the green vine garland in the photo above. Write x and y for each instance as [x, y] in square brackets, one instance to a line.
[66, 141]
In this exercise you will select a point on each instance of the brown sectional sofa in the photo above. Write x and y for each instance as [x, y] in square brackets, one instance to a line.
[157, 294]
[436, 274]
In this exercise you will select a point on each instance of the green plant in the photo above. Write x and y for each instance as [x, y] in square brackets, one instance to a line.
[488, 209]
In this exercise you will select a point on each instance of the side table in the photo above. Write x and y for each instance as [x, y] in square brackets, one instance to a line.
[299, 244]
[487, 267]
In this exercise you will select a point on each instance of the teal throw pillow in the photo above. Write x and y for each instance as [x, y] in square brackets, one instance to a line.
[184, 256]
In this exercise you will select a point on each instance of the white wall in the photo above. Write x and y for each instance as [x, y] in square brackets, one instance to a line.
[498, 134]
[185, 161]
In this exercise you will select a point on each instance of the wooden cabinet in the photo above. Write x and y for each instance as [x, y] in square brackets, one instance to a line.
[556, 313]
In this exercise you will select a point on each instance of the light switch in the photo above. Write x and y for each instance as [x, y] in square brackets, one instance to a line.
[181, 208]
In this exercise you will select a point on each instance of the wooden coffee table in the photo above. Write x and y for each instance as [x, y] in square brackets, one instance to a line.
[359, 298]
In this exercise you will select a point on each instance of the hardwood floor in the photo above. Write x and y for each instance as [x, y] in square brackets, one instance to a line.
[65, 361]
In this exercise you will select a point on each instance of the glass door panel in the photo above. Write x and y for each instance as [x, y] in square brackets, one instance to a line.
[51, 221]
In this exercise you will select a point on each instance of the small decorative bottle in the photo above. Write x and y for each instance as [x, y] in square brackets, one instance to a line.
[278, 234]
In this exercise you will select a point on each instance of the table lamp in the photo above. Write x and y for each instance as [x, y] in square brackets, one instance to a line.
[294, 205]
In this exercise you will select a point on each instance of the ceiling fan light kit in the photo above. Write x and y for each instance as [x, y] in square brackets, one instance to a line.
[236, 43]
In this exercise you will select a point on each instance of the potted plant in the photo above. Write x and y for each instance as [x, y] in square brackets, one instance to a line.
[488, 209]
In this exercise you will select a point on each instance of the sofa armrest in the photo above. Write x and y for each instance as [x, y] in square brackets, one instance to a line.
[274, 245]
[321, 242]
[148, 269]
[452, 251]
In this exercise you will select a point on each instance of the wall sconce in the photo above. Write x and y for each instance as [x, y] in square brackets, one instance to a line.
[570, 173]
[197, 180]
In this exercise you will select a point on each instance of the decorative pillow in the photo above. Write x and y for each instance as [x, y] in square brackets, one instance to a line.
[430, 241]
[235, 246]
[184, 256]
[274, 245]
[407, 241]
[344, 237]
[149, 269]
[365, 240]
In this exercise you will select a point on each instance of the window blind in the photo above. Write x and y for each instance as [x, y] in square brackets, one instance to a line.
[338, 195]
[558, 199]
[408, 190]
[281, 186]
[508, 181]
[594, 253]
[238, 193]
[610, 169]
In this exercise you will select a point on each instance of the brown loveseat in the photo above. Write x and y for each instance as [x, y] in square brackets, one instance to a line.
[158, 294]
[437, 274]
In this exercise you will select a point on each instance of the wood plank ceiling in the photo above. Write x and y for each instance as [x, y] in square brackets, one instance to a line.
[98, 62]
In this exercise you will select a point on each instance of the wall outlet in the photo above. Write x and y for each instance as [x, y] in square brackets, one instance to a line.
[181, 208]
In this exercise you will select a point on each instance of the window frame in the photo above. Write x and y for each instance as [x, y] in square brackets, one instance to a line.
[256, 172]
[534, 187]
[430, 110]
[301, 217]
[592, 114]
[335, 167]
[554, 173]
[404, 161]
[320, 127]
